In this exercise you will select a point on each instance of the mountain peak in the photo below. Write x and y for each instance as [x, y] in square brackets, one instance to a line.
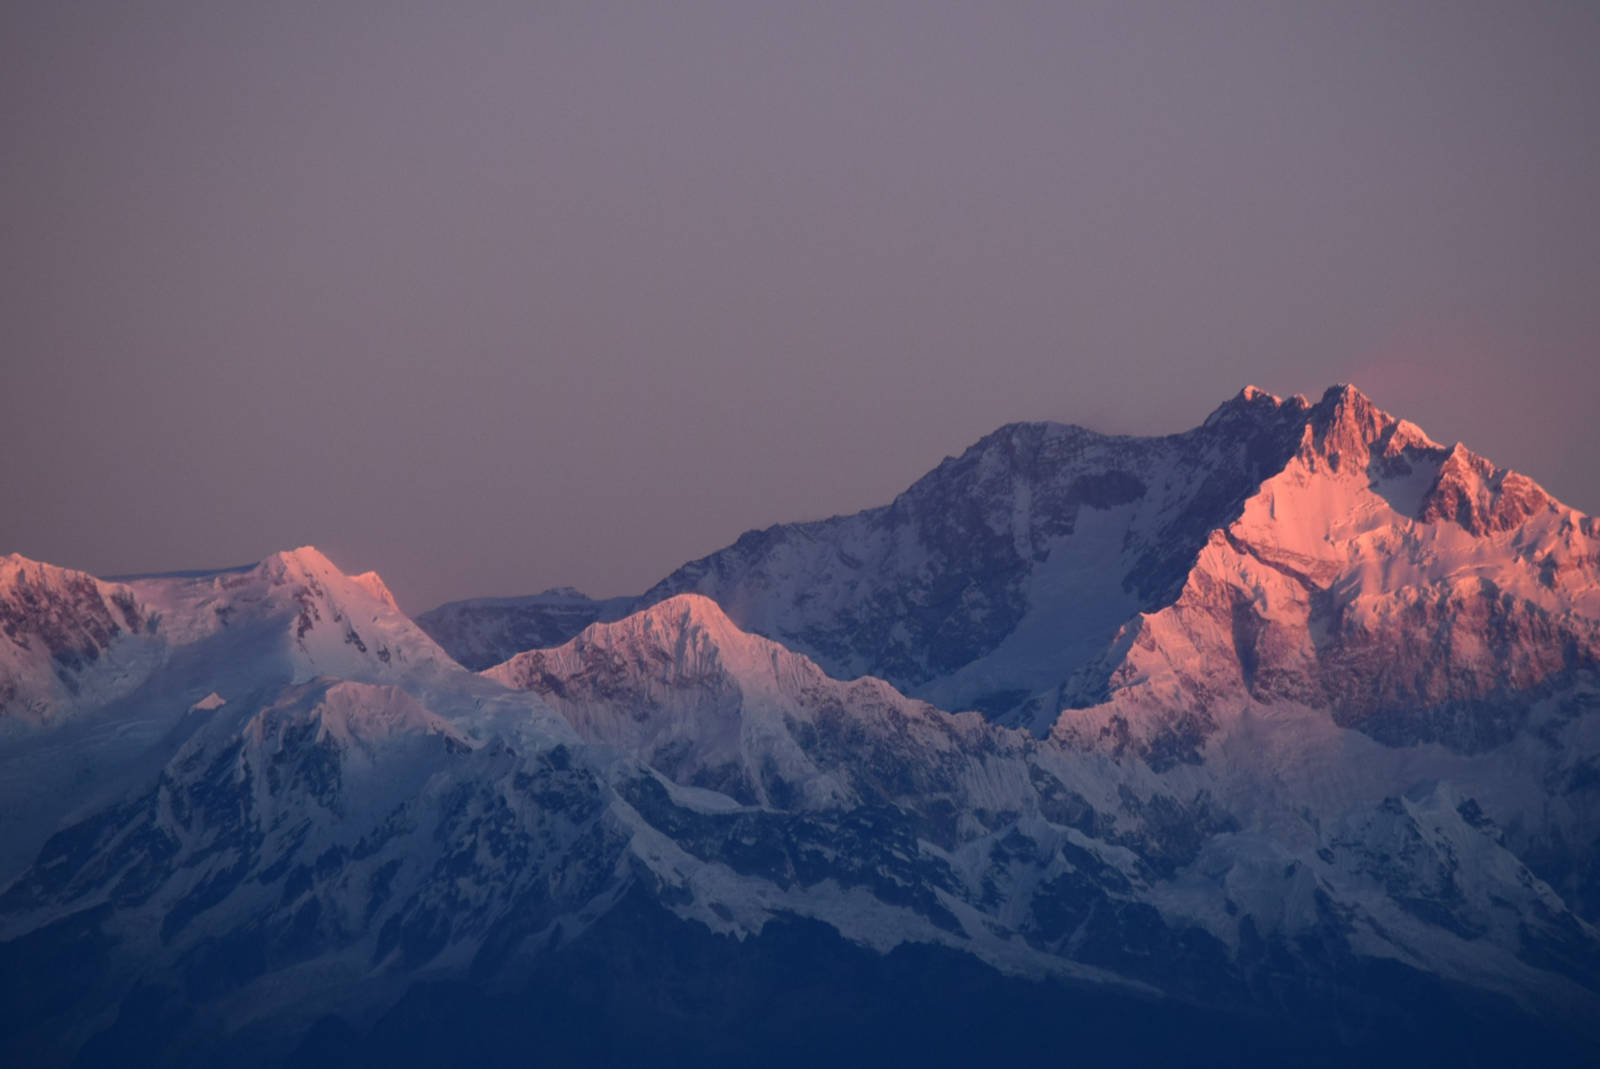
[1471, 492]
[64, 636]
[304, 559]
[689, 610]
[310, 564]
[373, 584]
[675, 624]
[1345, 393]
[681, 641]
[1254, 402]
[1345, 430]
[13, 565]
[1343, 402]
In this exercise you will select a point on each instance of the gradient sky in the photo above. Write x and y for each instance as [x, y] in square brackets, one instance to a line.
[497, 296]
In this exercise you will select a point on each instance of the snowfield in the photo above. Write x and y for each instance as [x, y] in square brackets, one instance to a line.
[1297, 709]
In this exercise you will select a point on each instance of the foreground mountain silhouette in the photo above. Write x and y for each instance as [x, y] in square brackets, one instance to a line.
[1307, 774]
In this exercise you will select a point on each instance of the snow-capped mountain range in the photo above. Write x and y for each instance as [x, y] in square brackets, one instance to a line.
[1287, 726]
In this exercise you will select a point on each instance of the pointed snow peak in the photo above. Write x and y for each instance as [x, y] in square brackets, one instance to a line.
[1405, 435]
[682, 641]
[30, 579]
[306, 563]
[1345, 423]
[1345, 405]
[56, 627]
[1345, 393]
[1345, 429]
[1479, 497]
[684, 613]
[373, 584]
[305, 559]
[308, 566]
[1252, 402]
[667, 626]
[13, 565]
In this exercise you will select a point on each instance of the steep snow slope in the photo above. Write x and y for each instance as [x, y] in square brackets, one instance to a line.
[1418, 593]
[680, 687]
[67, 641]
[324, 846]
[987, 584]
[70, 642]
[320, 620]
[104, 679]
[1394, 864]
[996, 577]
[1036, 572]
[1039, 570]
[1306, 715]
[301, 852]
[1284, 571]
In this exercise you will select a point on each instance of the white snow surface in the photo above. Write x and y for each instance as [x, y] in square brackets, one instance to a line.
[678, 687]
[291, 618]
[1228, 773]
[1338, 577]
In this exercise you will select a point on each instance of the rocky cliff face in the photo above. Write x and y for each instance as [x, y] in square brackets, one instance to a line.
[325, 848]
[1348, 583]
[1327, 553]
[97, 677]
[985, 585]
[679, 687]
[309, 850]
[1298, 710]
[64, 636]
[995, 578]
[1152, 598]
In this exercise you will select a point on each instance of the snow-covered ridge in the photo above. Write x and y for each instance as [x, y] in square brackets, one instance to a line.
[1317, 692]
[66, 639]
[331, 623]
[1294, 811]
[994, 579]
[679, 686]
[96, 677]
[1016, 577]
[693, 628]
[71, 643]
[869, 593]
[1413, 591]
[350, 715]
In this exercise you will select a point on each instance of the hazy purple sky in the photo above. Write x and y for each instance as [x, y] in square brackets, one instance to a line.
[495, 296]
